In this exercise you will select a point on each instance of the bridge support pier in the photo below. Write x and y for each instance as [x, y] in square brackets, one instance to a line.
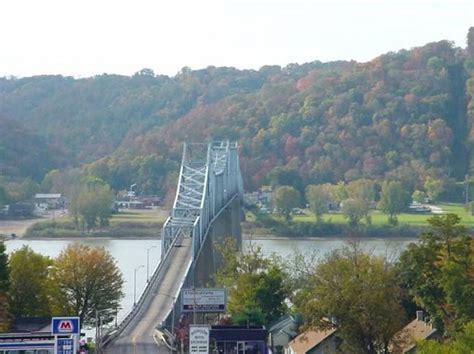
[225, 226]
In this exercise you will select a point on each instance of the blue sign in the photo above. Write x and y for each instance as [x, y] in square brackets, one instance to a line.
[65, 325]
[65, 346]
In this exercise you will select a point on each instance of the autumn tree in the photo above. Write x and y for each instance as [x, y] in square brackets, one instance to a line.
[356, 293]
[256, 285]
[4, 286]
[91, 205]
[318, 198]
[286, 198]
[438, 272]
[30, 283]
[354, 210]
[89, 280]
[393, 200]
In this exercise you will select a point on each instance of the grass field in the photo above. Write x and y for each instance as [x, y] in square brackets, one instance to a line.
[139, 223]
[378, 218]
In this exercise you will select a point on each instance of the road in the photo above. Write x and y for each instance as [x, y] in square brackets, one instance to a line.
[18, 227]
[137, 338]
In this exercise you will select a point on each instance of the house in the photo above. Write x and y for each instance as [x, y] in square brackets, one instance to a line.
[314, 342]
[48, 201]
[404, 341]
[282, 332]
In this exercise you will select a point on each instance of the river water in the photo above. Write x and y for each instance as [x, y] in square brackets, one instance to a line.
[131, 254]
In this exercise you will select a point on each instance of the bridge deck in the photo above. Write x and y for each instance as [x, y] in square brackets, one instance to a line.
[137, 337]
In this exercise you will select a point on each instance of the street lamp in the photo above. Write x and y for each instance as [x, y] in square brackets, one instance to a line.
[98, 330]
[135, 285]
[147, 262]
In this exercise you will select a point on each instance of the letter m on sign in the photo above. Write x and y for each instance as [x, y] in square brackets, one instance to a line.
[65, 326]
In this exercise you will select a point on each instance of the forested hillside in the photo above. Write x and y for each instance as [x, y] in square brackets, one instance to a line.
[404, 115]
[25, 154]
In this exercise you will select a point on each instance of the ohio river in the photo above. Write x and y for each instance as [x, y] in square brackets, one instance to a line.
[131, 254]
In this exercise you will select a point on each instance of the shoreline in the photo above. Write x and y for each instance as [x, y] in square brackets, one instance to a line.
[246, 237]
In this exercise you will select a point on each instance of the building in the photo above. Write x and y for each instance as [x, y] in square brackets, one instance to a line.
[404, 341]
[30, 334]
[239, 339]
[314, 342]
[48, 201]
[282, 332]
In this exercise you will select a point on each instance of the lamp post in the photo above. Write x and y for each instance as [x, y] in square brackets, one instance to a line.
[98, 330]
[147, 262]
[135, 285]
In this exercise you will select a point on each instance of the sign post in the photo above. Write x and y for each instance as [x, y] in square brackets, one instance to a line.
[204, 300]
[198, 339]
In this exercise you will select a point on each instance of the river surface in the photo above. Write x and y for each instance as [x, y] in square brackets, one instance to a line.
[131, 255]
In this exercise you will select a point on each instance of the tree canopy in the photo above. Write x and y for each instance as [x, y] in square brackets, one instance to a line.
[438, 272]
[358, 294]
[402, 116]
[257, 286]
[31, 289]
[89, 280]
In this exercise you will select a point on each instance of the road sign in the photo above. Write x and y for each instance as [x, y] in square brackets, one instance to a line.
[65, 325]
[65, 346]
[198, 339]
[204, 300]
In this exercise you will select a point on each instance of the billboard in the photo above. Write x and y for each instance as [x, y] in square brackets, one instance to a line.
[198, 339]
[203, 300]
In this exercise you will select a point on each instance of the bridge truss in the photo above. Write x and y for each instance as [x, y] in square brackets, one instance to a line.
[209, 178]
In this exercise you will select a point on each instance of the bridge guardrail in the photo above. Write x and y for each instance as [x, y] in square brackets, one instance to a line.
[110, 336]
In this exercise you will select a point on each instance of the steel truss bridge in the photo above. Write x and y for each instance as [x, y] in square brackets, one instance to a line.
[207, 202]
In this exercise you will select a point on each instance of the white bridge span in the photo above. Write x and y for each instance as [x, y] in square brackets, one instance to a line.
[209, 184]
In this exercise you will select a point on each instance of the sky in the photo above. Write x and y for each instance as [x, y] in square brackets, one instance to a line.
[82, 38]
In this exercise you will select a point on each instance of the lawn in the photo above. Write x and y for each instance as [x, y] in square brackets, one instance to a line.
[378, 218]
[141, 217]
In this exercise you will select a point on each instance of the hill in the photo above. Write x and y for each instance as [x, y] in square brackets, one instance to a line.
[405, 115]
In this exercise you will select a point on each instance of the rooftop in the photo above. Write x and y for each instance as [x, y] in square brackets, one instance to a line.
[309, 339]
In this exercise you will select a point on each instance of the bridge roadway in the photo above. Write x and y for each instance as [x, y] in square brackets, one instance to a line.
[137, 337]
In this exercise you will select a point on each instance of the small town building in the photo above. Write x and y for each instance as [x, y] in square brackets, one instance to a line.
[282, 332]
[239, 339]
[30, 335]
[48, 201]
[404, 341]
[314, 342]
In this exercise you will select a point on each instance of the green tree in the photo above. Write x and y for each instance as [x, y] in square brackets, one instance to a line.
[256, 285]
[318, 197]
[354, 210]
[358, 294]
[4, 286]
[286, 198]
[30, 283]
[433, 187]
[91, 206]
[438, 272]
[462, 343]
[418, 196]
[393, 200]
[89, 280]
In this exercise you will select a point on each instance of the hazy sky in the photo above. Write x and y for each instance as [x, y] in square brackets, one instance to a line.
[88, 37]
